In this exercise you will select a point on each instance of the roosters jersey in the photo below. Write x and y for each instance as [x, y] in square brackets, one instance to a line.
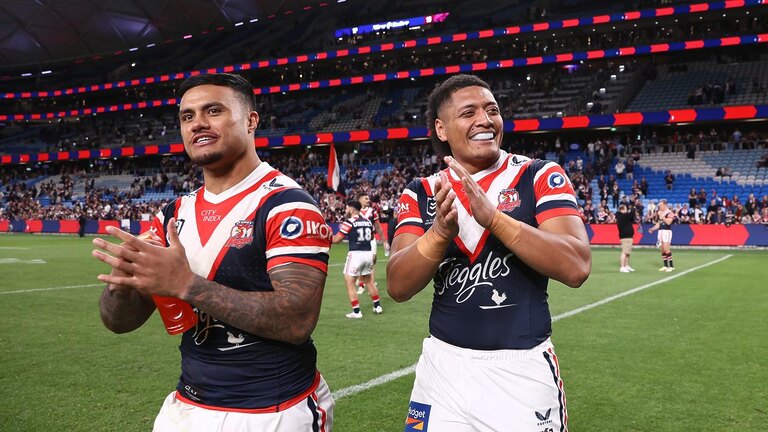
[359, 232]
[486, 298]
[370, 213]
[663, 225]
[235, 238]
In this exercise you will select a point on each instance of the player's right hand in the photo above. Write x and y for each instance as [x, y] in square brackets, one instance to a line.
[446, 222]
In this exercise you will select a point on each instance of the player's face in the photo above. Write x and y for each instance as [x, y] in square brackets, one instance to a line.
[471, 123]
[216, 127]
[365, 201]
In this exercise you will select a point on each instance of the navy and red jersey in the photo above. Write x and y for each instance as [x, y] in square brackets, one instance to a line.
[485, 297]
[667, 214]
[359, 232]
[235, 238]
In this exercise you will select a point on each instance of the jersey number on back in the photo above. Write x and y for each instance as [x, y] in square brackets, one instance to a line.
[364, 234]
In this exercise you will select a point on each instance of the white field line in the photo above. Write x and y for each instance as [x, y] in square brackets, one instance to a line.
[13, 248]
[52, 288]
[348, 391]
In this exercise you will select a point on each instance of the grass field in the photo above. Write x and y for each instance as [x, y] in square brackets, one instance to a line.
[683, 351]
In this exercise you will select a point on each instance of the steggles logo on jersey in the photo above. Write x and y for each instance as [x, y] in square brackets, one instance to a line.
[462, 280]
[509, 199]
[556, 180]
[241, 234]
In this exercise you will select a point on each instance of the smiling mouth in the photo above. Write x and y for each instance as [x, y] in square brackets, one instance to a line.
[203, 140]
[483, 136]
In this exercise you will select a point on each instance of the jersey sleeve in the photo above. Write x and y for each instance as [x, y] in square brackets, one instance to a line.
[553, 192]
[345, 227]
[160, 220]
[296, 232]
[409, 218]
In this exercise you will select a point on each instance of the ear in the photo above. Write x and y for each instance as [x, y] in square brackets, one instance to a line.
[440, 130]
[253, 121]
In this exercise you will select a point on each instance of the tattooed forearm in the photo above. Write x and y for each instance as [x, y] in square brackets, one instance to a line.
[289, 313]
[124, 310]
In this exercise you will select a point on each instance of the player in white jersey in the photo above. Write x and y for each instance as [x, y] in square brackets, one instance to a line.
[370, 213]
[249, 251]
[664, 239]
[489, 231]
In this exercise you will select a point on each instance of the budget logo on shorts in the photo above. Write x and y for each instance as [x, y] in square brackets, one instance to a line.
[418, 417]
[509, 199]
[241, 234]
[556, 180]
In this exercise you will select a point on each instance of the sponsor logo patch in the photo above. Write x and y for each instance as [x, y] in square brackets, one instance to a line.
[241, 234]
[291, 228]
[509, 199]
[418, 417]
[556, 180]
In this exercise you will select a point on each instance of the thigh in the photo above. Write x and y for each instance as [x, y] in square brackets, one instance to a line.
[354, 265]
[525, 395]
[178, 416]
[437, 400]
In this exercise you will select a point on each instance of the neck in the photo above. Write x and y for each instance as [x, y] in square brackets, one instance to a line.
[219, 180]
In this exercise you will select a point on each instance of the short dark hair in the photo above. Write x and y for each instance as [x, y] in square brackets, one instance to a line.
[240, 85]
[439, 96]
[355, 204]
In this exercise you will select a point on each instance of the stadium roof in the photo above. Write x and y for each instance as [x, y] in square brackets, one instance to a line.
[36, 32]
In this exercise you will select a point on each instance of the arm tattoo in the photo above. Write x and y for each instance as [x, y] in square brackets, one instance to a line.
[289, 313]
[123, 311]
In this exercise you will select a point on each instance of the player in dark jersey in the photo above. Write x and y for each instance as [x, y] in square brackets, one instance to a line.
[370, 213]
[664, 239]
[489, 232]
[359, 264]
[249, 251]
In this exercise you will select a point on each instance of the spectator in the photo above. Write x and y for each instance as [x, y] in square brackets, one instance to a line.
[669, 179]
[620, 167]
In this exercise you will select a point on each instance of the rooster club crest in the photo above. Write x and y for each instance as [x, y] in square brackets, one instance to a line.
[241, 234]
[509, 199]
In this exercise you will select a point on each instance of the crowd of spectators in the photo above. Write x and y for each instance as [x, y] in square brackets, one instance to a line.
[67, 191]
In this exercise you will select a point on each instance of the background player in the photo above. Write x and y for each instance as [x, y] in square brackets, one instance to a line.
[249, 250]
[664, 239]
[359, 264]
[625, 217]
[370, 213]
[489, 231]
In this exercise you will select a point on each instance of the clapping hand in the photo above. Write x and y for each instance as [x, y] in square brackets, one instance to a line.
[482, 209]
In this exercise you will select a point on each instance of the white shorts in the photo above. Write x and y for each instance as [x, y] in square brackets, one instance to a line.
[311, 412]
[359, 263]
[665, 236]
[463, 390]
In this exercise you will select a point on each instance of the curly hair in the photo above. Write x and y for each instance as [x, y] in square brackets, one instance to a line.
[439, 96]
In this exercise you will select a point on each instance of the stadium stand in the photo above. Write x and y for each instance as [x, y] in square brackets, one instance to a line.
[717, 73]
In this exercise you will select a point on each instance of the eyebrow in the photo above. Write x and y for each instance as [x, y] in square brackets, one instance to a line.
[204, 107]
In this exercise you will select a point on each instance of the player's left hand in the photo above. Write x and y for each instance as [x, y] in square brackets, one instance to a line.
[149, 268]
[482, 209]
